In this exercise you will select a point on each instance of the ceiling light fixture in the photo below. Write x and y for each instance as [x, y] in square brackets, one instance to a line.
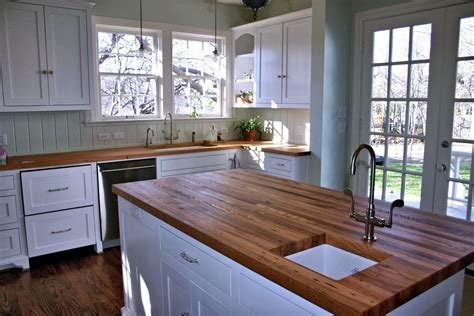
[215, 54]
[255, 5]
[141, 50]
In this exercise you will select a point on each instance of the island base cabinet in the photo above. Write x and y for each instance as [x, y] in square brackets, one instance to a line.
[155, 283]
[140, 261]
[183, 297]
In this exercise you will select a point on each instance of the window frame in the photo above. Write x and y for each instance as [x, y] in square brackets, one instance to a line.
[158, 75]
[222, 98]
[165, 86]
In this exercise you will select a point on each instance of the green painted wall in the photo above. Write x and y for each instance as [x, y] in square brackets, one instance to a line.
[198, 13]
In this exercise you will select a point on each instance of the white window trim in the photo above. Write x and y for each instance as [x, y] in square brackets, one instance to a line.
[222, 81]
[165, 93]
[361, 18]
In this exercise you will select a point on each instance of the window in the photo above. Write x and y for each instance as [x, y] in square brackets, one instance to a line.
[198, 77]
[128, 82]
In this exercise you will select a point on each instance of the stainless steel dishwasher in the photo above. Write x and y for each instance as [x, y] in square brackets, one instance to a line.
[111, 173]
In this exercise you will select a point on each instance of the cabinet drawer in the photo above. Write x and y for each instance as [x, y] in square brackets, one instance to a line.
[7, 183]
[209, 268]
[8, 210]
[52, 232]
[9, 243]
[279, 164]
[56, 189]
[193, 162]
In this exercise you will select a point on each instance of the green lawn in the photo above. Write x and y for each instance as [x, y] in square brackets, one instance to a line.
[412, 183]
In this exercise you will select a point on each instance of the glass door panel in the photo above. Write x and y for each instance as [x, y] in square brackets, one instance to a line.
[399, 101]
[455, 183]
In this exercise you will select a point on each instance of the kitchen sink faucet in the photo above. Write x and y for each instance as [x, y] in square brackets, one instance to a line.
[149, 140]
[369, 219]
[170, 137]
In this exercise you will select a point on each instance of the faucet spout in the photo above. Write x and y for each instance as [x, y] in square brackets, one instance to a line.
[369, 219]
[354, 157]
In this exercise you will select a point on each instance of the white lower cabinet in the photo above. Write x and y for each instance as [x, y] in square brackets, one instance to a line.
[57, 231]
[13, 252]
[288, 167]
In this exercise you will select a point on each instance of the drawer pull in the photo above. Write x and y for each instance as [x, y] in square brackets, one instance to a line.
[185, 314]
[58, 189]
[61, 231]
[280, 164]
[188, 258]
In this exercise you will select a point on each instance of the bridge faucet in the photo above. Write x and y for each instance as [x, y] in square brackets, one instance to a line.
[369, 219]
[170, 137]
[149, 140]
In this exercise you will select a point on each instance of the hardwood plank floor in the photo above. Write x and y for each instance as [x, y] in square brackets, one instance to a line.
[77, 282]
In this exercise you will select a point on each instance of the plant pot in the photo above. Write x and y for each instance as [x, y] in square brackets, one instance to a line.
[250, 136]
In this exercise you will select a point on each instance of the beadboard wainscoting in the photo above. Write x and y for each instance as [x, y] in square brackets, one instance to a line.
[48, 132]
[284, 125]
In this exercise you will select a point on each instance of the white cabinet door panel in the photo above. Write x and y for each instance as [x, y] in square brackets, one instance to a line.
[269, 64]
[177, 293]
[24, 55]
[66, 38]
[9, 243]
[203, 304]
[297, 61]
[58, 231]
[8, 210]
[56, 189]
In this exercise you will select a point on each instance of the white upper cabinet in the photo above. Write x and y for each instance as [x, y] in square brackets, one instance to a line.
[24, 55]
[45, 54]
[269, 62]
[297, 62]
[282, 61]
[66, 40]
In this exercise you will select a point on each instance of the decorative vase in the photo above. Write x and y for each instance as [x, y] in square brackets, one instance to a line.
[250, 136]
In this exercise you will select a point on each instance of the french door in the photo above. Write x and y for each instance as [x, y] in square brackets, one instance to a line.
[417, 109]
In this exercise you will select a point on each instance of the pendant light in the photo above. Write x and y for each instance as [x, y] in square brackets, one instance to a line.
[141, 50]
[215, 54]
[255, 5]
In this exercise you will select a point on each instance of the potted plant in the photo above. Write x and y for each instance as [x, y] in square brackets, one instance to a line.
[249, 128]
[245, 97]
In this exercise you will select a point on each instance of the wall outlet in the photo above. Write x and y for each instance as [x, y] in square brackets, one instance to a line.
[119, 135]
[224, 130]
[104, 136]
[3, 140]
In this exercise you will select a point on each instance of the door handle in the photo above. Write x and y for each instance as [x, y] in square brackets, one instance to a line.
[441, 167]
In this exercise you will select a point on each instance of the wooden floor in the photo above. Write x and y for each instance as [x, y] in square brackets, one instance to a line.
[70, 283]
[79, 282]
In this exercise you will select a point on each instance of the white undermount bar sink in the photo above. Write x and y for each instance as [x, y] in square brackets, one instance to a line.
[331, 261]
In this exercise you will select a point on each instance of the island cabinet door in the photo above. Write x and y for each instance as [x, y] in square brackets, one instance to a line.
[203, 304]
[176, 292]
[141, 275]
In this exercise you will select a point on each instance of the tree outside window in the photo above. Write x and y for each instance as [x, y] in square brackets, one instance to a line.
[128, 82]
[197, 77]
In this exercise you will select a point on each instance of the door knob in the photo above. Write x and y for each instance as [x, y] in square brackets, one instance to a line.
[441, 167]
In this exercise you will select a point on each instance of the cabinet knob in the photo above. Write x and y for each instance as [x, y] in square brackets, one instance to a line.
[280, 76]
[50, 72]
[43, 72]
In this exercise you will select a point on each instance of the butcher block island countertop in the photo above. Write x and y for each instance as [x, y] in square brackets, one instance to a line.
[256, 219]
[77, 157]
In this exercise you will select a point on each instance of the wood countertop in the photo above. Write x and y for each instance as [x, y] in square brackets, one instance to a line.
[76, 157]
[257, 219]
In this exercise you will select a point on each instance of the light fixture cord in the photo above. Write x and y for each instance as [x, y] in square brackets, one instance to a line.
[141, 25]
[215, 25]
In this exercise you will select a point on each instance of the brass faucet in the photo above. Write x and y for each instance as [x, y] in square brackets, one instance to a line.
[369, 219]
